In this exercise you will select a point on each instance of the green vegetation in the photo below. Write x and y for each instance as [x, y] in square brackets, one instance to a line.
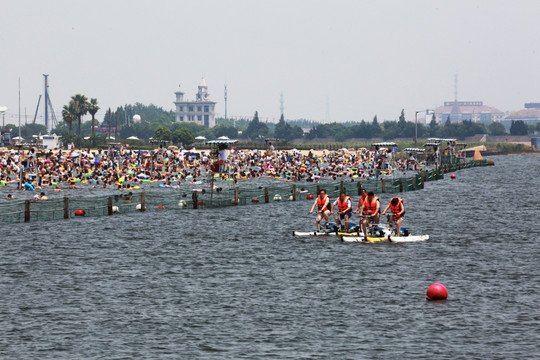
[161, 124]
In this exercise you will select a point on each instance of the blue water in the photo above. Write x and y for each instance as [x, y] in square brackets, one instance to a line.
[233, 283]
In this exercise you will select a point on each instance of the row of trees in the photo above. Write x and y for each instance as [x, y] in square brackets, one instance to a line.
[160, 124]
[78, 107]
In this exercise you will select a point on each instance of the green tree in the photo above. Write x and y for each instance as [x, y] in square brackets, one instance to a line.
[68, 114]
[92, 110]
[496, 129]
[376, 130]
[228, 131]
[518, 127]
[162, 133]
[402, 123]
[28, 130]
[80, 107]
[433, 125]
[183, 136]
[255, 128]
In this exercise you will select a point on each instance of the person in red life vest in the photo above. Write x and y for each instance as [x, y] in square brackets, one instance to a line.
[370, 211]
[397, 208]
[322, 201]
[344, 205]
[363, 197]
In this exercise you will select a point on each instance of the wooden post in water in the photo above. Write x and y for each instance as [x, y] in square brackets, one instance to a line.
[109, 206]
[383, 186]
[143, 201]
[66, 207]
[195, 198]
[266, 196]
[341, 187]
[423, 178]
[236, 195]
[27, 211]
[293, 192]
[359, 186]
[414, 183]
[400, 185]
[318, 189]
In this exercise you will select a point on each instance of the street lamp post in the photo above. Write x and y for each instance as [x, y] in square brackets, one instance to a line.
[416, 126]
[428, 111]
[3, 110]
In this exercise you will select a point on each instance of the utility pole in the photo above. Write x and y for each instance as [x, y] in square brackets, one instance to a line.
[19, 108]
[46, 102]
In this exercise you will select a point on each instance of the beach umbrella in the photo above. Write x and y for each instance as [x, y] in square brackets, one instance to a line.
[200, 138]
[133, 138]
[223, 138]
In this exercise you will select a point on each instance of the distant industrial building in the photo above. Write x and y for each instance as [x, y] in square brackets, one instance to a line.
[200, 111]
[475, 111]
[530, 115]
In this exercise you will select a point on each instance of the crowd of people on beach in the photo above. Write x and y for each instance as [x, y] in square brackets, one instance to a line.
[123, 168]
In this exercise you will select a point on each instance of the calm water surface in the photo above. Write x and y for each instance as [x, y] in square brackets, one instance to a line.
[232, 283]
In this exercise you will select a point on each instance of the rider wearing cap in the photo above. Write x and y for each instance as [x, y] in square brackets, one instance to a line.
[397, 207]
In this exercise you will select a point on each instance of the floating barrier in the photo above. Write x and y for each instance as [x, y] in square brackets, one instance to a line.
[436, 291]
[17, 211]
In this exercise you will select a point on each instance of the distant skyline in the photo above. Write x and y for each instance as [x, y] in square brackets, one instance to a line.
[366, 57]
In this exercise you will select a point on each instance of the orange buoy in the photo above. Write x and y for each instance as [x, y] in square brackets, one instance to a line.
[452, 176]
[254, 199]
[436, 291]
[201, 203]
[309, 196]
[161, 207]
[80, 212]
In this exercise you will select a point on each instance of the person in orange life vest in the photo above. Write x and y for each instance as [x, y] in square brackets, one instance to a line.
[370, 211]
[322, 201]
[363, 197]
[344, 205]
[397, 207]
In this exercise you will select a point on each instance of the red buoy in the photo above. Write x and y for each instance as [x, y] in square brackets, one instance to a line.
[436, 291]
[80, 212]
[254, 199]
[452, 176]
[309, 196]
[201, 203]
[161, 207]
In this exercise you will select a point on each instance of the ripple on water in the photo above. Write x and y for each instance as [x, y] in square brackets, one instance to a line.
[233, 283]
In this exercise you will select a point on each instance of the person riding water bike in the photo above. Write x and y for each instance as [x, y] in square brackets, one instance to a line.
[363, 197]
[344, 205]
[322, 201]
[397, 207]
[370, 211]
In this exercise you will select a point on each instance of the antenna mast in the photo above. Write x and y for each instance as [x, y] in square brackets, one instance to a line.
[225, 97]
[455, 87]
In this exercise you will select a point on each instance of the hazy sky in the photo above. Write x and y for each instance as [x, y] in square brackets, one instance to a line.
[365, 57]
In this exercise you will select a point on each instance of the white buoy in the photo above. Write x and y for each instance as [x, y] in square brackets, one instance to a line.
[291, 198]
[277, 197]
[115, 209]
[138, 207]
[182, 203]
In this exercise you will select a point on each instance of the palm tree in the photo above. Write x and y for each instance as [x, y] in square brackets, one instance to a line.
[68, 115]
[80, 103]
[93, 109]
